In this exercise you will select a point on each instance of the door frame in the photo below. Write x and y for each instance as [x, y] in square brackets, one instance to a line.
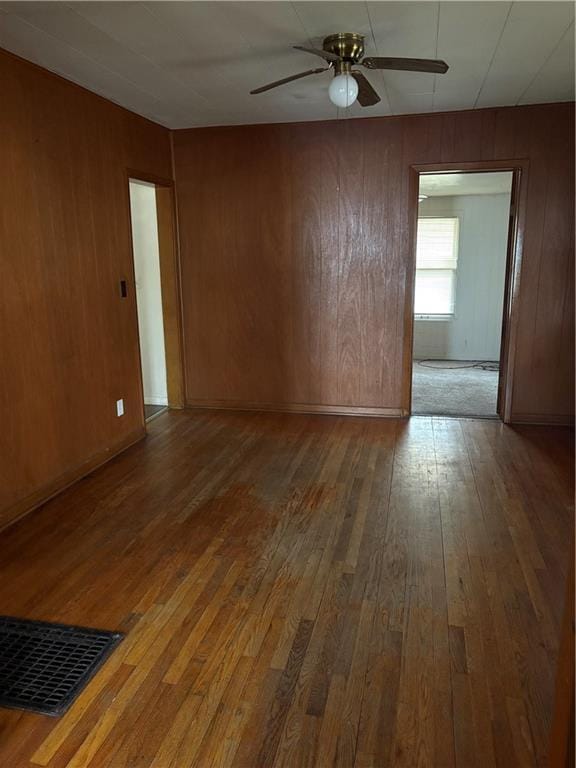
[516, 229]
[169, 257]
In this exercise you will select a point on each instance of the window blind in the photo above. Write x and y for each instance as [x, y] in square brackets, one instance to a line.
[436, 263]
[437, 243]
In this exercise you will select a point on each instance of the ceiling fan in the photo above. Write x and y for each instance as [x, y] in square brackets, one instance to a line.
[345, 50]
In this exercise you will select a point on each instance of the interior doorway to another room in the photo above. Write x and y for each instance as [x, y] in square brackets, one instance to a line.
[155, 275]
[462, 257]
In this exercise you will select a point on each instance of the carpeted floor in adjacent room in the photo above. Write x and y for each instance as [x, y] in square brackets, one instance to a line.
[455, 388]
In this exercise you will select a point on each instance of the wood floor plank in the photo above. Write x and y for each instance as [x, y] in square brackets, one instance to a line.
[283, 694]
[305, 591]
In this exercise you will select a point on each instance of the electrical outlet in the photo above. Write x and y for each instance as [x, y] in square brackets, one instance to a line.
[119, 407]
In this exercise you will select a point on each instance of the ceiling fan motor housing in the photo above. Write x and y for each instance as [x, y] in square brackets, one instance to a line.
[348, 45]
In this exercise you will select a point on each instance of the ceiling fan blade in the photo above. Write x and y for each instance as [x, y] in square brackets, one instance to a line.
[367, 96]
[333, 57]
[409, 65]
[289, 79]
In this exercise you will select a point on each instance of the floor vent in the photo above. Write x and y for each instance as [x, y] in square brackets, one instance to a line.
[44, 666]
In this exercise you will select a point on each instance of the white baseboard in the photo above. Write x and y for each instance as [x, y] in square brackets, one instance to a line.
[149, 400]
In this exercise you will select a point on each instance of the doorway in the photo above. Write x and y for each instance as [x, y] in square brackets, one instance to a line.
[464, 255]
[156, 282]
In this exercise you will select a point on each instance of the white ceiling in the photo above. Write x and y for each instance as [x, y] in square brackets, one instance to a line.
[186, 64]
[452, 184]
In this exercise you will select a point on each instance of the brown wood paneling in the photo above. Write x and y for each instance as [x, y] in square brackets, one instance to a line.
[68, 342]
[295, 245]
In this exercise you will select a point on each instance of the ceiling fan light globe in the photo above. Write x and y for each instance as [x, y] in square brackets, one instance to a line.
[343, 91]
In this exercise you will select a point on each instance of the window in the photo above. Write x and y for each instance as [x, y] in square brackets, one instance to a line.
[436, 262]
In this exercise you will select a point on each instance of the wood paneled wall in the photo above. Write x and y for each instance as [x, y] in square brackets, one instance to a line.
[295, 256]
[294, 246]
[68, 342]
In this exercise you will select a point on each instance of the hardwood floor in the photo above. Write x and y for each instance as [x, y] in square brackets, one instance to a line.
[304, 591]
